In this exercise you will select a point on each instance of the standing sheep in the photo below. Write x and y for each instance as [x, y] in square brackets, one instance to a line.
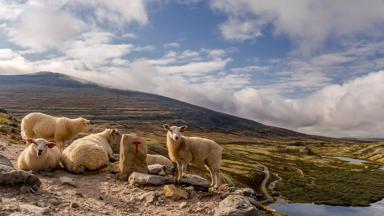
[40, 155]
[195, 150]
[92, 152]
[60, 129]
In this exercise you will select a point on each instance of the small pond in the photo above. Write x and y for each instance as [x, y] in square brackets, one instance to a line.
[296, 209]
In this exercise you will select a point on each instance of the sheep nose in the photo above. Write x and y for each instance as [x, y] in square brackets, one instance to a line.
[176, 138]
[40, 151]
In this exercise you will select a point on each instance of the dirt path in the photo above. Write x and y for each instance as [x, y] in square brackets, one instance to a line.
[263, 185]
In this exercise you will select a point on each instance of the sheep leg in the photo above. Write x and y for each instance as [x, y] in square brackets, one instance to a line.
[184, 167]
[179, 171]
[212, 175]
[217, 177]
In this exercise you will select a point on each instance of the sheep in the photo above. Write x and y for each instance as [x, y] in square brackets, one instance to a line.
[60, 129]
[40, 155]
[92, 152]
[158, 159]
[195, 150]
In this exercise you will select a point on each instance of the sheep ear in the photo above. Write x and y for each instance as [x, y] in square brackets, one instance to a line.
[183, 128]
[166, 126]
[51, 145]
[30, 141]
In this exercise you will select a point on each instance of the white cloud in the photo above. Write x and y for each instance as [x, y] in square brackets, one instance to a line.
[352, 109]
[196, 68]
[308, 22]
[40, 27]
[172, 45]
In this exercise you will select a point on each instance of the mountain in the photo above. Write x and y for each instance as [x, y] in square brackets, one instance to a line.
[284, 163]
[63, 95]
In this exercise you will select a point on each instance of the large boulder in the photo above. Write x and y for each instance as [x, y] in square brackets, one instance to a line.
[237, 205]
[10, 176]
[133, 155]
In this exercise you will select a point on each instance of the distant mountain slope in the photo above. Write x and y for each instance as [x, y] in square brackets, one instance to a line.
[62, 95]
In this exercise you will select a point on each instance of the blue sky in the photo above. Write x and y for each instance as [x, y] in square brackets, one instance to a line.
[305, 65]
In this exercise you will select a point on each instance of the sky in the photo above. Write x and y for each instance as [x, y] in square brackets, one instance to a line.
[312, 66]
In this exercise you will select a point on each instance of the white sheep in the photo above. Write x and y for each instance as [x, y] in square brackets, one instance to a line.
[92, 152]
[40, 155]
[195, 150]
[60, 129]
[158, 159]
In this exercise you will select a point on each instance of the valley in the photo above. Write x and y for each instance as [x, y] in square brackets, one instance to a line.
[306, 164]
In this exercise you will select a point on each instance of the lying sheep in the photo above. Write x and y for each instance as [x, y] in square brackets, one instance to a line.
[61, 129]
[158, 159]
[195, 150]
[40, 155]
[92, 152]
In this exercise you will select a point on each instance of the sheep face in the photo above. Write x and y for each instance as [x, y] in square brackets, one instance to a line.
[40, 146]
[115, 136]
[86, 124]
[174, 132]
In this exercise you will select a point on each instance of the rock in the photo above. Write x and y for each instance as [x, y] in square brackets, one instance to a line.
[68, 181]
[148, 197]
[174, 193]
[10, 176]
[183, 205]
[236, 205]
[100, 198]
[157, 169]
[196, 181]
[147, 179]
[133, 156]
[74, 205]
[36, 210]
[6, 129]
[249, 192]
[25, 189]
[3, 111]
[79, 194]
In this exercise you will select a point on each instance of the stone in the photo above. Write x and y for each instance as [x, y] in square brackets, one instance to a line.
[174, 193]
[10, 176]
[198, 182]
[249, 192]
[133, 156]
[236, 205]
[5, 129]
[138, 179]
[100, 198]
[157, 169]
[79, 194]
[67, 181]
[183, 205]
[74, 205]
[36, 210]
[148, 197]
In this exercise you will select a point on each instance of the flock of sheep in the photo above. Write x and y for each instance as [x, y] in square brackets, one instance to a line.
[94, 152]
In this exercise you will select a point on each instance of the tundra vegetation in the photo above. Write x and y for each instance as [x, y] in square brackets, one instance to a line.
[305, 163]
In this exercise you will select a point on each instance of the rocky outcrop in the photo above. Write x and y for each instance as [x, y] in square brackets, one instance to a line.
[10, 176]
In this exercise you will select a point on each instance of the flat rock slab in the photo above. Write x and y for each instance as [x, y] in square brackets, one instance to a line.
[196, 181]
[137, 178]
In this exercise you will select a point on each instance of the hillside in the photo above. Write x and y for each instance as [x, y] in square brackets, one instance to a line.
[305, 163]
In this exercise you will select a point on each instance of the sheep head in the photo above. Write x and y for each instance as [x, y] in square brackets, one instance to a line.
[174, 132]
[40, 145]
[86, 124]
[114, 136]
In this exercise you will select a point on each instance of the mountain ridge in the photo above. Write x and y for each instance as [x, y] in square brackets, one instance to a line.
[216, 120]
